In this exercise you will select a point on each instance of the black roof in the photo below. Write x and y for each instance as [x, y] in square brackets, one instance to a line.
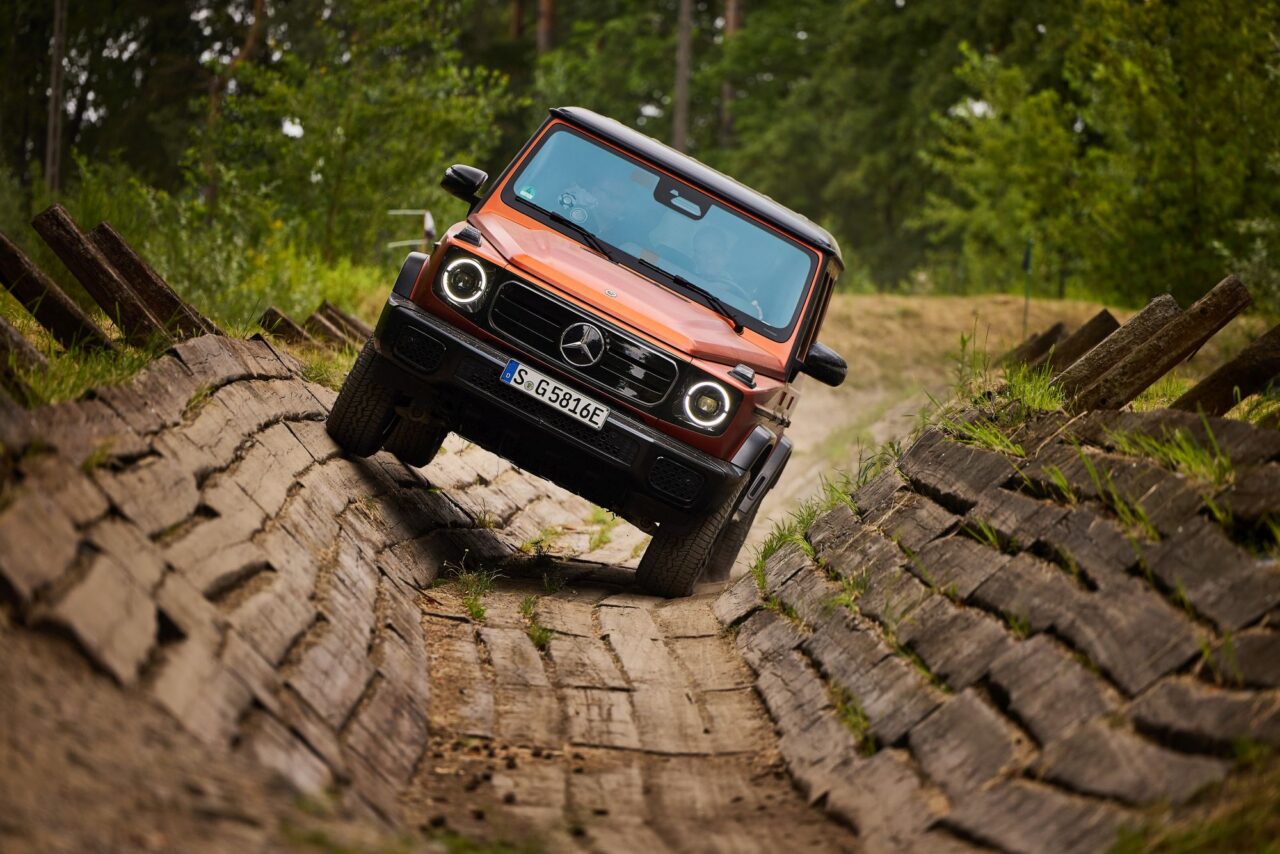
[700, 175]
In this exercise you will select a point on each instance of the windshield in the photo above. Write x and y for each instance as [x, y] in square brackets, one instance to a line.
[756, 271]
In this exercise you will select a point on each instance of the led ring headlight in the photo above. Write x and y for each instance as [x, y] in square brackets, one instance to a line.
[461, 292]
[706, 404]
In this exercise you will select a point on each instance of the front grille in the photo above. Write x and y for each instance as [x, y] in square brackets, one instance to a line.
[418, 349]
[629, 368]
[671, 478]
[609, 440]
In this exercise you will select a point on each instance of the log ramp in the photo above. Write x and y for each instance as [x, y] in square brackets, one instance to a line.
[980, 650]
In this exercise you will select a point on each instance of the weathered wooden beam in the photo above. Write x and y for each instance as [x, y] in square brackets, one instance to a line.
[1080, 342]
[1036, 346]
[322, 329]
[152, 290]
[1090, 367]
[282, 326]
[103, 282]
[17, 350]
[354, 327]
[47, 302]
[1161, 352]
[16, 355]
[1248, 373]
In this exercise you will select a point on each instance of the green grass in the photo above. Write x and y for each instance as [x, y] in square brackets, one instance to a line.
[69, 374]
[1239, 814]
[851, 590]
[539, 634]
[1131, 513]
[541, 544]
[1182, 452]
[980, 432]
[324, 366]
[1061, 485]
[1160, 393]
[1020, 626]
[1032, 389]
[854, 718]
[981, 530]
[474, 584]
[605, 522]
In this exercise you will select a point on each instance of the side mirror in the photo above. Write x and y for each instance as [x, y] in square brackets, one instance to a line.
[824, 364]
[464, 182]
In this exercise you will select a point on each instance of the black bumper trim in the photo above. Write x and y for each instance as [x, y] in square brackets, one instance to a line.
[458, 380]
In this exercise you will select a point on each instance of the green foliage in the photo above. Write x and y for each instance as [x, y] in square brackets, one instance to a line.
[69, 373]
[1032, 390]
[1131, 512]
[1147, 165]
[474, 585]
[979, 432]
[1182, 452]
[854, 718]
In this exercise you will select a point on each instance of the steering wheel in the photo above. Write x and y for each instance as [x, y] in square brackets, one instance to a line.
[747, 299]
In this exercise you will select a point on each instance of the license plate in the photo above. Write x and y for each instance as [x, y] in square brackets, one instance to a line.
[554, 394]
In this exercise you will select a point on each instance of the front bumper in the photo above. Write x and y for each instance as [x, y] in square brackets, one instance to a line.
[627, 467]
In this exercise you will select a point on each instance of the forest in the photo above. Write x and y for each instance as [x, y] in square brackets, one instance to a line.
[253, 149]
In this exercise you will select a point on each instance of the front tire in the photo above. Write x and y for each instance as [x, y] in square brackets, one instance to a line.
[364, 410]
[673, 562]
[729, 546]
[415, 443]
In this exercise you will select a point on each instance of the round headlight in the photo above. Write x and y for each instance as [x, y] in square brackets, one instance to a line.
[706, 404]
[464, 281]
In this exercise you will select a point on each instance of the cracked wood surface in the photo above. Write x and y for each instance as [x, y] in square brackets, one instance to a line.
[910, 686]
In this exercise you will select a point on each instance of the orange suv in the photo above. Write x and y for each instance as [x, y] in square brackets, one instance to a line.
[618, 318]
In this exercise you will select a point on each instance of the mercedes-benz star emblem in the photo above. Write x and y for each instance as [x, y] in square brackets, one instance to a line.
[582, 345]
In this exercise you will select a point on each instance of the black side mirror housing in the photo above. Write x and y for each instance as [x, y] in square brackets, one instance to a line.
[464, 182]
[825, 365]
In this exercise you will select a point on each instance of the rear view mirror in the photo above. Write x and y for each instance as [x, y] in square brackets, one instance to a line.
[464, 182]
[824, 364]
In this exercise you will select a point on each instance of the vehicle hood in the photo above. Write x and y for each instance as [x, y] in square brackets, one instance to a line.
[641, 304]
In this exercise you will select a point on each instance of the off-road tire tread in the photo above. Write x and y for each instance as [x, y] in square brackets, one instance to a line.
[725, 552]
[673, 563]
[415, 443]
[359, 418]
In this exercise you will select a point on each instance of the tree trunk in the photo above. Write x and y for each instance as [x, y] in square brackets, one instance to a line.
[546, 25]
[684, 49]
[53, 135]
[732, 23]
[216, 87]
[517, 19]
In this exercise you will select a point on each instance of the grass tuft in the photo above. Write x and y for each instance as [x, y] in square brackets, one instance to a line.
[1180, 451]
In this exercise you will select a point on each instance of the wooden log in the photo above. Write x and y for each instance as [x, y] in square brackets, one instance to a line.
[322, 329]
[103, 282]
[17, 350]
[282, 326]
[1248, 373]
[1086, 370]
[1036, 346]
[355, 328]
[16, 355]
[47, 302]
[154, 291]
[1162, 351]
[1084, 339]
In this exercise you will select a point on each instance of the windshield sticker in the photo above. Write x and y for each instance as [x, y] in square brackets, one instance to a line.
[526, 192]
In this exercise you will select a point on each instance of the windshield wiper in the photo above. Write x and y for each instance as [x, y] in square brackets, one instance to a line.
[711, 299]
[594, 242]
